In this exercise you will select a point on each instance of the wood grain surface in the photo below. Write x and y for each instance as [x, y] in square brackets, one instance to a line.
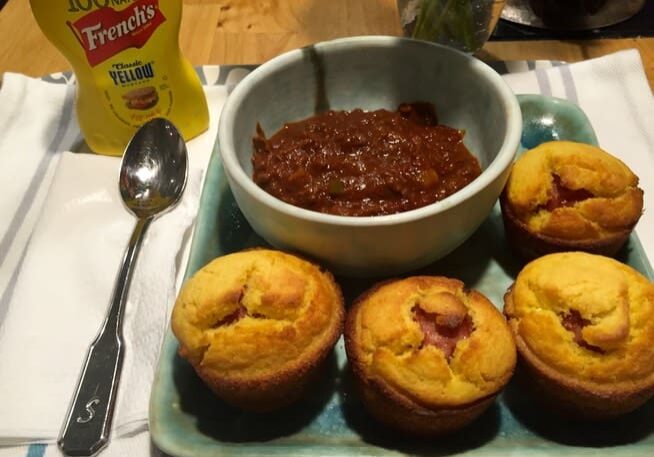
[252, 31]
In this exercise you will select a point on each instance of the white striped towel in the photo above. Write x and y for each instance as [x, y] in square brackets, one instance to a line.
[64, 230]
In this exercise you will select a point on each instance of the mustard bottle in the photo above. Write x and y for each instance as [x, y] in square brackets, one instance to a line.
[128, 66]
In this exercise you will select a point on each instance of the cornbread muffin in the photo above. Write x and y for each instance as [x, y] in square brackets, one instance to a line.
[428, 355]
[584, 327]
[565, 196]
[257, 325]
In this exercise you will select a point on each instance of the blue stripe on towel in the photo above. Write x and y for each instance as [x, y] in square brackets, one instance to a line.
[9, 290]
[37, 178]
[36, 450]
[569, 84]
[543, 82]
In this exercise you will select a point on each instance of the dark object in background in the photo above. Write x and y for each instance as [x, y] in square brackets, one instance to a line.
[515, 23]
[570, 14]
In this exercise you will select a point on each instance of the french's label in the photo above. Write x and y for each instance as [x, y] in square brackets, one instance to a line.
[105, 32]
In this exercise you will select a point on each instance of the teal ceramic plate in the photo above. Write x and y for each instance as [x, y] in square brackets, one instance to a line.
[187, 420]
[550, 119]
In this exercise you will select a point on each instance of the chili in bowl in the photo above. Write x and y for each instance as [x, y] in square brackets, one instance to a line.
[372, 155]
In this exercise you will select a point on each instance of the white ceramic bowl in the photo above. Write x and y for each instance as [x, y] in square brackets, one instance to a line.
[372, 73]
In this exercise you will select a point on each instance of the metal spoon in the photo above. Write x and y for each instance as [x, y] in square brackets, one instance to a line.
[152, 179]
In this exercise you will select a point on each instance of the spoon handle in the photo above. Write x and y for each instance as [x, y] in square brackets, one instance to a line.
[87, 425]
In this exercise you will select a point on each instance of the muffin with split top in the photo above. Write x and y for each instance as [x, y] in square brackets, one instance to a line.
[584, 327]
[257, 326]
[567, 196]
[428, 355]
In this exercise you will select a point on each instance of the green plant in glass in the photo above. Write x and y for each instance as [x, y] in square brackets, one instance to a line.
[463, 24]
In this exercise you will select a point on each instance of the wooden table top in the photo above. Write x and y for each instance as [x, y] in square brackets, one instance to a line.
[252, 31]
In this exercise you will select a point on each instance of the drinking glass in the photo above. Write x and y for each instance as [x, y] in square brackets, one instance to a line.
[462, 24]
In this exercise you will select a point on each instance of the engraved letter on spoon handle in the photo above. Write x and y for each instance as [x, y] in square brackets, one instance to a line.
[88, 422]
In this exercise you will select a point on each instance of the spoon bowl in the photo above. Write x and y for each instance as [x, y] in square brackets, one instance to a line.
[154, 169]
[152, 179]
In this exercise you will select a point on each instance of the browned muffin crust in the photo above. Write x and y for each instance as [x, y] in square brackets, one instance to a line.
[257, 326]
[530, 245]
[399, 413]
[420, 352]
[566, 196]
[584, 332]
